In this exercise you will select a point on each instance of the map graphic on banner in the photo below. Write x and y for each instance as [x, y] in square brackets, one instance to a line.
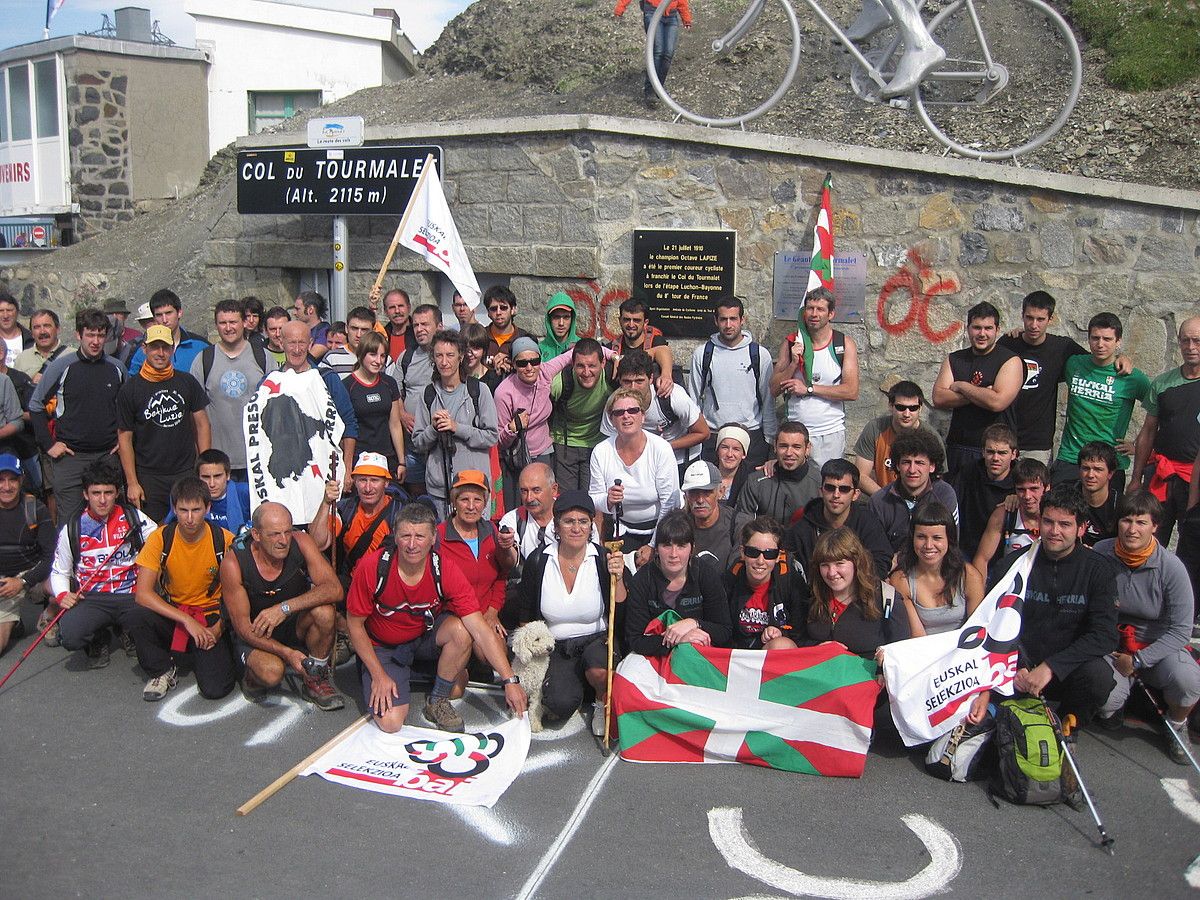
[463, 769]
[931, 680]
[292, 430]
[809, 710]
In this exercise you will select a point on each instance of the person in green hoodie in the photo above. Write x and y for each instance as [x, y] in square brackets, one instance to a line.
[559, 327]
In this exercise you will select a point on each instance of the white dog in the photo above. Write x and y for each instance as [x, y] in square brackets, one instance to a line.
[531, 645]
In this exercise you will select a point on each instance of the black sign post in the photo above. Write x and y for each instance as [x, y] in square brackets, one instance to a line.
[357, 181]
[681, 274]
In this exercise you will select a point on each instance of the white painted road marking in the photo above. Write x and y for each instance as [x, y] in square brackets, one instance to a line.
[1180, 792]
[945, 860]
[564, 837]
[172, 712]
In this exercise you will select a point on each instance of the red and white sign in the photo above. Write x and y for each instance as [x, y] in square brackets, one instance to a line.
[39, 236]
[463, 769]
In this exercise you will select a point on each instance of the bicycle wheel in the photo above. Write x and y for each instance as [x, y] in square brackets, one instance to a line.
[723, 60]
[1009, 82]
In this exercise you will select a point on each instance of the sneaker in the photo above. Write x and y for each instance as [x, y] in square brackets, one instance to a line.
[343, 650]
[98, 654]
[156, 688]
[442, 714]
[51, 639]
[321, 693]
[253, 694]
[128, 646]
[1175, 748]
[1112, 723]
[598, 719]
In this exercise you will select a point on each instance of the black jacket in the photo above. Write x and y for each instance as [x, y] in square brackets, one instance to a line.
[801, 538]
[787, 601]
[861, 636]
[702, 599]
[1070, 611]
[978, 496]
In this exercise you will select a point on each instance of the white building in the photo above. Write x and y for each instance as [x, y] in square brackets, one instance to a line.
[270, 60]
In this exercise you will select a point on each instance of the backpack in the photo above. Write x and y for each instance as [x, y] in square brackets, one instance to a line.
[1030, 767]
[567, 375]
[472, 384]
[706, 372]
[209, 355]
[426, 609]
[218, 542]
[666, 410]
[404, 362]
[348, 506]
[958, 755]
[838, 341]
[134, 536]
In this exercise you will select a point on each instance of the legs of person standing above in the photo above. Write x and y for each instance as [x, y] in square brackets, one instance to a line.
[414, 473]
[960, 457]
[824, 447]
[665, 41]
[1188, 551]
[1174, 509]
[572, 467]
[67, 481]
[1042, 456]
[760, 450]
[156, 489]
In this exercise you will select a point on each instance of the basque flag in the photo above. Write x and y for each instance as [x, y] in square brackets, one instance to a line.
[809, 710]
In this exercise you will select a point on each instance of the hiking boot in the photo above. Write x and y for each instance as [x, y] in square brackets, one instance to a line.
[442, 714]
[98, 654]
[320, 692]
[598, 719]
[1112, 723]
[1175, 748]
[156, 688]
[343, 650]
[51, 639]
[128, 646]
[253, 694]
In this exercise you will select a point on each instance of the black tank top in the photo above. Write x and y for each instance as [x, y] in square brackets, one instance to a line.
[293, 580]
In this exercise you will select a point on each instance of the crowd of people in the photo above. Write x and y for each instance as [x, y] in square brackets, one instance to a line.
[484, 466]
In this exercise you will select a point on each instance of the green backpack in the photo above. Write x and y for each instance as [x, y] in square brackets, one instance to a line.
[1032, 768]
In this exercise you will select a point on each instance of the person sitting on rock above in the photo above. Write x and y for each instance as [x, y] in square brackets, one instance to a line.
[280, 595]
[1154, 622]
[405, 605]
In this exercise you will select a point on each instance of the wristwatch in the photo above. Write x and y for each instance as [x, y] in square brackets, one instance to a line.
[512, 679]
[1137, 660]
[285, 608]
[810, 390]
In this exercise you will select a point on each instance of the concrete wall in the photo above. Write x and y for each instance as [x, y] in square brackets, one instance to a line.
[553, 203]
[136, 130]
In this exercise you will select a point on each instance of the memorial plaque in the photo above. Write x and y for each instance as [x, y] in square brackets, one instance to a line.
[849, 284]
[350, 181]
[681, 274]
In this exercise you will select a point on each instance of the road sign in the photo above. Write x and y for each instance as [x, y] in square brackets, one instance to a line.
[38, 233]
[344, 131]
[356, 181]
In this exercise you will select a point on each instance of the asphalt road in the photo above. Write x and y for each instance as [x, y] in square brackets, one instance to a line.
[108, 796]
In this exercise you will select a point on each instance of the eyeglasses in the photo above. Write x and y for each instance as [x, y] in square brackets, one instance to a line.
[755, 553]
[526, 363]
[837, 488]
[906, 407]
[626, 411]
[575, 523]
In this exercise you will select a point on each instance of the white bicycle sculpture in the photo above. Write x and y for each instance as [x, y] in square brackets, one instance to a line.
[1010, 79]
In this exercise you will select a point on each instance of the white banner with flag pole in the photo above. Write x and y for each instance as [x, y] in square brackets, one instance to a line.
[427, 228]
[932, 680]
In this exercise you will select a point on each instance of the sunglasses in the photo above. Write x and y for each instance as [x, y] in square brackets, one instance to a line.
[837, 488]
[906, 407]
[626, 411]
[755, 553]
[526, 363]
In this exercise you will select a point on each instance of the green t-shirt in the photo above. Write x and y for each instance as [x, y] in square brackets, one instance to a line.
[1099, 405]
[576, 423]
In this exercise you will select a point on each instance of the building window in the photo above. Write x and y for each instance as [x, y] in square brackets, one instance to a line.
[45, 80]
[18, 91]
[268, 108]
[3, 108]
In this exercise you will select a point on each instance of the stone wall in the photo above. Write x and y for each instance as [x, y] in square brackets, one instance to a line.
[553, 205]
[98, 136]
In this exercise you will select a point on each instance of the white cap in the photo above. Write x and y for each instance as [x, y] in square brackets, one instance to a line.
[143, 313]
[701, 476]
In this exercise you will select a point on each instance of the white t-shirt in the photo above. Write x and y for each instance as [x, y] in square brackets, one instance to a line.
[820, 416]
[686, 413]
[651, 483]
[12, 349]
[576, 613]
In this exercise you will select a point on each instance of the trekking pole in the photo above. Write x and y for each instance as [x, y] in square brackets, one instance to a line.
[616, 545]
[448, 465]
[1067, 726]
[83, 590]
[333, 542]
[1167, 722]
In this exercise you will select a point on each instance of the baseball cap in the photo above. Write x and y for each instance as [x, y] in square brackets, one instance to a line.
[701, 476]
[560, 300]
[143, 313]
[159, 334]
[371, 464]
[569, 500]
[471, 478]
[10, 463]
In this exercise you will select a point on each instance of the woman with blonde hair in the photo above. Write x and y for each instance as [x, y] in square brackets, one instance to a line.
[848, 603]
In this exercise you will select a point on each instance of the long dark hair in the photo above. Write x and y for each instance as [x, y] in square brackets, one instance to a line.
[929, 513]
[833, 546]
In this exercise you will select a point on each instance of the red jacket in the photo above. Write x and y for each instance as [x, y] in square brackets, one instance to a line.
[682, 5]
[484, 573]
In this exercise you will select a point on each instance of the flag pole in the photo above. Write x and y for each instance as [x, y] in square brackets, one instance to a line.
[274, 787]
[391, 252]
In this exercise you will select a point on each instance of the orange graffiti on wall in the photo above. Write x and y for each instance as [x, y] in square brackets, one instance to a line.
[923, 284]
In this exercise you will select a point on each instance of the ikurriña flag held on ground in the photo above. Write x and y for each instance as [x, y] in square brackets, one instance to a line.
[932, 680]
[808, 710]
